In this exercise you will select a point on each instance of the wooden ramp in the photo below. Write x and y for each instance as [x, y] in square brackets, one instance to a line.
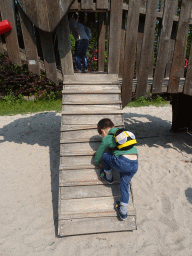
[86, 204]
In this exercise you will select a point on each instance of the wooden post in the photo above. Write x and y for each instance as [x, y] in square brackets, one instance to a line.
[130, 48]
[64, 44]
[49, 55]
[101, 43]
[188, 81]
[1, 42]
[147, 47]
[7, 12]
[163, 47]
[139, 42]
[114, 36]
[180, 47]
[30, 43]
[122, 53]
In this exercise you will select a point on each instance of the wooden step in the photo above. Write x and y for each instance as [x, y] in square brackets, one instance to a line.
[114, 103]
[88, 111]
[112, 91]
[84, 119]
[79, 135]
[77, 127]
[83, 177]
[91, 78]
[92, 87]
[92, 191]
[91, 208]
[95, 225]
[91, 108]
[95, 98]
[79, 148]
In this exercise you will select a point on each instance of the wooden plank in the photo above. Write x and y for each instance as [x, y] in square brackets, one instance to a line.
[1, 42]
[122, 53]
[95, 225]
[75, 5]
[169, 58]
[102, 4]
[101, 42]
[77, 162]
[130, 48]
[64, 45]
[89, 148]
[84, 177]
[7, 13]
[90, 208]
[46, 15]
[91, 103]
[180, 47]
[92, 87]
[90, 78]
[188, 81]
[78, 127]
[90, 119]
[91, 97]
[94, 108]
[114, 33]
[87, 4]
[89, 191]
[113, 91]
[48, 55]
[147, 47]
[163, 48]
[30, 43]
[139, 42]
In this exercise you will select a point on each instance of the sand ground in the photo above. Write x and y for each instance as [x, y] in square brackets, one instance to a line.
[29, 157]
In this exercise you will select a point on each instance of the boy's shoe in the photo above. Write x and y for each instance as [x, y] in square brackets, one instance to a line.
[117, 209]
[86, 71]
[78, 71]
[103, 176]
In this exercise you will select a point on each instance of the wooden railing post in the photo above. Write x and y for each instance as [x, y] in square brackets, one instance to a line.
[115, 36]
[101, 43]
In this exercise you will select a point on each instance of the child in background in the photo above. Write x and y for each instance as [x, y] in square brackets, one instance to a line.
[123, 159]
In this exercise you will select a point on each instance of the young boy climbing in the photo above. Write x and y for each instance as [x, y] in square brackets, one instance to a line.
[124, 159]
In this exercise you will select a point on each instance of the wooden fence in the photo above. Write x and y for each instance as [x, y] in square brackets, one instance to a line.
[148, 30]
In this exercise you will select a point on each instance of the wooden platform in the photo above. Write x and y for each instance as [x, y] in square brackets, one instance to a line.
[86, 204]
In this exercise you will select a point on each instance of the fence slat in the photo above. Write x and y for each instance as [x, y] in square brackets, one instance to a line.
[163, 48]
[114, 35]
[147, 47]
[1, 43]
[64, 44]
[48, 55]
[180, 47]
[102, 4]
[87, 4]
[75, 5]
[7, 12]
[30, 43]
[130, 48]
[122, 53]
[101, 43]
[188, 80]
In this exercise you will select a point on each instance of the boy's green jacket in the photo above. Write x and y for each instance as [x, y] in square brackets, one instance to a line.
[109, 141]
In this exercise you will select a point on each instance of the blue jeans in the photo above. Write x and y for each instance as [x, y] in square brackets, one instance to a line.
[80, 53]
[127, 168]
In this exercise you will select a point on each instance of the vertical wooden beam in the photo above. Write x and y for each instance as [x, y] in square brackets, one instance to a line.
[48, 55]
[102, 4]
[30, 43]
[139, 41]
[188, 81]
[130, 48]
[8, 13]
[1, 42]
[114, 36]
[122, 53]
[101, 43]
[87, 4]
[163, 47]
[147, 47]
[180, 47]
[64, 44]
